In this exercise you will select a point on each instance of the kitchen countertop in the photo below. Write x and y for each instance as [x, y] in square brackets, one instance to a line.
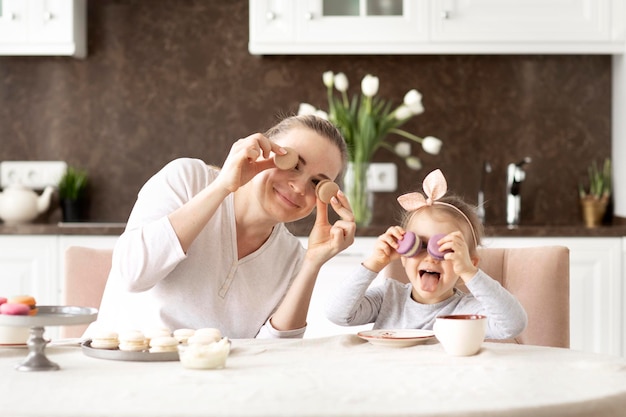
[115, 229]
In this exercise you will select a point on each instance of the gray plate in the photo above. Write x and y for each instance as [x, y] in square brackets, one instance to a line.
[52, 316]
[121, 355]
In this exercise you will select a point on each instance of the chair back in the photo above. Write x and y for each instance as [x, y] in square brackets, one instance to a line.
[86, 273]
[538, 277]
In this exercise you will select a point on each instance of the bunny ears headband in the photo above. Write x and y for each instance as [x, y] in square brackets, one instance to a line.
[435, 187]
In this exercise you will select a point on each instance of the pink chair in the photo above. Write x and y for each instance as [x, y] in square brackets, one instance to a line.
[86, 273]
[538, 277]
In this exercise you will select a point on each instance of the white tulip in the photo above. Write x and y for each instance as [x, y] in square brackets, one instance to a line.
[306, 109]
[414, 163]
[328, 77]
[369, 85]
[341, 82]
[322, 114]
[403, 149]
[403, 112]
[413, 100]
[431, 145]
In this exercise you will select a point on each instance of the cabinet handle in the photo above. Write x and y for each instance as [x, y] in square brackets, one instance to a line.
[445, 15]
[308, 16]
[47, 16]
[270, 15]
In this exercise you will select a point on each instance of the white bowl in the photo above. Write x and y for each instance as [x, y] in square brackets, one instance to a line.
[10, 335]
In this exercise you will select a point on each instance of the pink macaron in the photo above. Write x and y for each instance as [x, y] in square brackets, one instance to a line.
[14, 309]
[433, 247]
[409, 245]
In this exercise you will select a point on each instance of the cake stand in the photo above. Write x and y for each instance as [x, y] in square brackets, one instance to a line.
[36, 359]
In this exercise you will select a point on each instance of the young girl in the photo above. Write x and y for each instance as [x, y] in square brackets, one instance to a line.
[431, 291]
[208, 248]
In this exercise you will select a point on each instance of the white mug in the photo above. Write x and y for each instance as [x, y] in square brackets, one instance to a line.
[461, 334]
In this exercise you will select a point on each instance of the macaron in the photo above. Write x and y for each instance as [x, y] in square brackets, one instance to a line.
[156, 332]
[288, 160]
[409, 245]
[105, 339]
[14, 309]
[132, 341]
[325, 190]
[433, 247]
[183, 335]
[27, 300]
[3, 300]
[163, 344]
[205, 336]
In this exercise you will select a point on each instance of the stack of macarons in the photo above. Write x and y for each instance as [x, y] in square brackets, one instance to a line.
[19, 305]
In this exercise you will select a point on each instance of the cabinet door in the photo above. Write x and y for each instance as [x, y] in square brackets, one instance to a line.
[13, 21]
[271, 21]
[596, 318]
[361, 21]
[498, 21]
[51, 21]
[28, 265]
[330, 275]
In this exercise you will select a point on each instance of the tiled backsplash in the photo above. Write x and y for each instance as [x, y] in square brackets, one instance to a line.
[169, 79]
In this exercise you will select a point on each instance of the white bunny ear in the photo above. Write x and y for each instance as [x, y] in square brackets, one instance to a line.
[435, 187]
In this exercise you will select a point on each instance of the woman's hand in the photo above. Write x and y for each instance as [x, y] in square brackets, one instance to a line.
[326, 240]
[385, 249]
[247, 157]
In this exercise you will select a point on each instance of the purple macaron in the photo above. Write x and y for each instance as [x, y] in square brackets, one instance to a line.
[433, 247]
[409, 245]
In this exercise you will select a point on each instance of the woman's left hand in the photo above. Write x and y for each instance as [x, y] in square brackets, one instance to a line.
[326, 240]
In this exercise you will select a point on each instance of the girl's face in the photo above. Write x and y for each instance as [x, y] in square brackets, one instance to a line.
[433, 280]
[289, 195]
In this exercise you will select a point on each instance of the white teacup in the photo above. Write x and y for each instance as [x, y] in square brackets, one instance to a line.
[10, 335]
[461, 334]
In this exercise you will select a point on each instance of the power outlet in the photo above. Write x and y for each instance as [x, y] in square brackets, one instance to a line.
[382, 177]
[32, 174]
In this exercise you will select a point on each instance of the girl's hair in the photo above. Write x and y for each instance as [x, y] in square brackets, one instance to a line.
[468, 210]
[320, 126]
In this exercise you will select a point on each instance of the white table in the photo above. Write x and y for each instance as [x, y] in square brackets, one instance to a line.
[334, 376]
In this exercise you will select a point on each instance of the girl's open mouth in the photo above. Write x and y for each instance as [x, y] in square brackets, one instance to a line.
[429, 279]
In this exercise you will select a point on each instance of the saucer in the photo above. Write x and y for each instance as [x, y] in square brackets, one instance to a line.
[396, 337]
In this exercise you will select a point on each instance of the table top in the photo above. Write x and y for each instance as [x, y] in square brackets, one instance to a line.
[332, 376]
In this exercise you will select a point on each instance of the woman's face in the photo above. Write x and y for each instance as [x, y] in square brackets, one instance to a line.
[433, 280]
[289, 195]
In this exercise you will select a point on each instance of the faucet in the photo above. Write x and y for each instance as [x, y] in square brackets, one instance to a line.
[514, 177]
[480, 210]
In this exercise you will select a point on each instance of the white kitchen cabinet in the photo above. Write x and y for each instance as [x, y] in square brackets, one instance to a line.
[28, 265]
[596, 289]
[43, 27]
[436, 26]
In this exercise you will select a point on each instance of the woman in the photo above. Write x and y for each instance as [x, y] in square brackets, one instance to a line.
[208, 248]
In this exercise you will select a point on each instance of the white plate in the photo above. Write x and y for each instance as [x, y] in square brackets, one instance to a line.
[396, 337]
[121, 355]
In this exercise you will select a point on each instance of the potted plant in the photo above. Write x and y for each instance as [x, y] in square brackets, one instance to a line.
[595, 199]
[72, 194]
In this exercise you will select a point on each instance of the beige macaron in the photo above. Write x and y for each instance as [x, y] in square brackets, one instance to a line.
[325, 190]
[104, 339]
[288, 160]
[163, 344]
[133, 341]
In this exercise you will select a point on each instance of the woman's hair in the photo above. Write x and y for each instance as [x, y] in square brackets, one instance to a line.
[320, 126]
[445, 209]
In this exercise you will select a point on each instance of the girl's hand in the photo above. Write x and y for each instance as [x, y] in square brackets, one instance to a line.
[385, 249]
[247, 157]
[463, 264]
[326, 240]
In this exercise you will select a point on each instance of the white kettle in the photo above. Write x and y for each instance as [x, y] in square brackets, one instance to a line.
[19, 204]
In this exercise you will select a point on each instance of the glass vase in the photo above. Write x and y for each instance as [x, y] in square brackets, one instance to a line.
[360, 197]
